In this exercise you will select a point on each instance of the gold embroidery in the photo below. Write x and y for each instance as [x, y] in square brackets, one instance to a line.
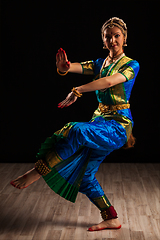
[65, 130]
[127, 125]
[128, 72]
[88, 67]
[106, 108]
[119, 64]
[52, 158]
[117, 92]
[101, 202]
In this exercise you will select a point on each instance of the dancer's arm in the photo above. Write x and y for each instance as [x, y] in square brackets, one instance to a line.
[102, 83]
[99, 84]
[76, 68]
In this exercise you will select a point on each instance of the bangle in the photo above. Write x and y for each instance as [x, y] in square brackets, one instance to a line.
[62, 74]
[78, 94]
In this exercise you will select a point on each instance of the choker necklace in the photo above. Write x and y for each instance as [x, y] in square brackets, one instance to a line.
[113, 58]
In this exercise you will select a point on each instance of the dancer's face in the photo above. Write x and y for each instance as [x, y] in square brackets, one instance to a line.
[113, 39]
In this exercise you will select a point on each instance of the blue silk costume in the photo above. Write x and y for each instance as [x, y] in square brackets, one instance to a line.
[73, 154]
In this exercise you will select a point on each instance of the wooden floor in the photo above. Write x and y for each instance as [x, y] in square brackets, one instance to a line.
[37, 213]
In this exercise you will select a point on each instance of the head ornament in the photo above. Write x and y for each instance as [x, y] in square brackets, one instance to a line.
[117, 22]
[111, 25]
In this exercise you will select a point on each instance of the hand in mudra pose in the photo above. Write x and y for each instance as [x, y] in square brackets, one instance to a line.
[71, 98]
[62, 62]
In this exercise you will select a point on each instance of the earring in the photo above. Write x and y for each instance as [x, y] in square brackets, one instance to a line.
[104, 47]
[124, 44]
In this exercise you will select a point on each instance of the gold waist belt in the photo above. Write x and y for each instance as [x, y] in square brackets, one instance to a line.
[106, 108]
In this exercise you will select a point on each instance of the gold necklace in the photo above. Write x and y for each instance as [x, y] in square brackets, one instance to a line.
[104, 63]
[113, 58]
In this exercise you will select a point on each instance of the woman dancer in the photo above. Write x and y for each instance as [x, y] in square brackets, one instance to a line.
[69, 159]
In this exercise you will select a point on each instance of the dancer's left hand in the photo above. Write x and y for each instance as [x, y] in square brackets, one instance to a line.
[70, 99]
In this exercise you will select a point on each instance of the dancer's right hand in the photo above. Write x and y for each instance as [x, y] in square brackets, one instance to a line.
[62, 62]
[70, 99]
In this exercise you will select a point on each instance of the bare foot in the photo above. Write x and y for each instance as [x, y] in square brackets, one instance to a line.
[110, 224]
[26, 179]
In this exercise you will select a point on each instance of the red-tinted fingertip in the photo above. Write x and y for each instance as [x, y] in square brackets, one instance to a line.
[68, 63]
[60, 106]
[12, 183]
[90, 229]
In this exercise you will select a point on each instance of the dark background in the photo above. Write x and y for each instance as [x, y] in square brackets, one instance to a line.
[32, 33]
